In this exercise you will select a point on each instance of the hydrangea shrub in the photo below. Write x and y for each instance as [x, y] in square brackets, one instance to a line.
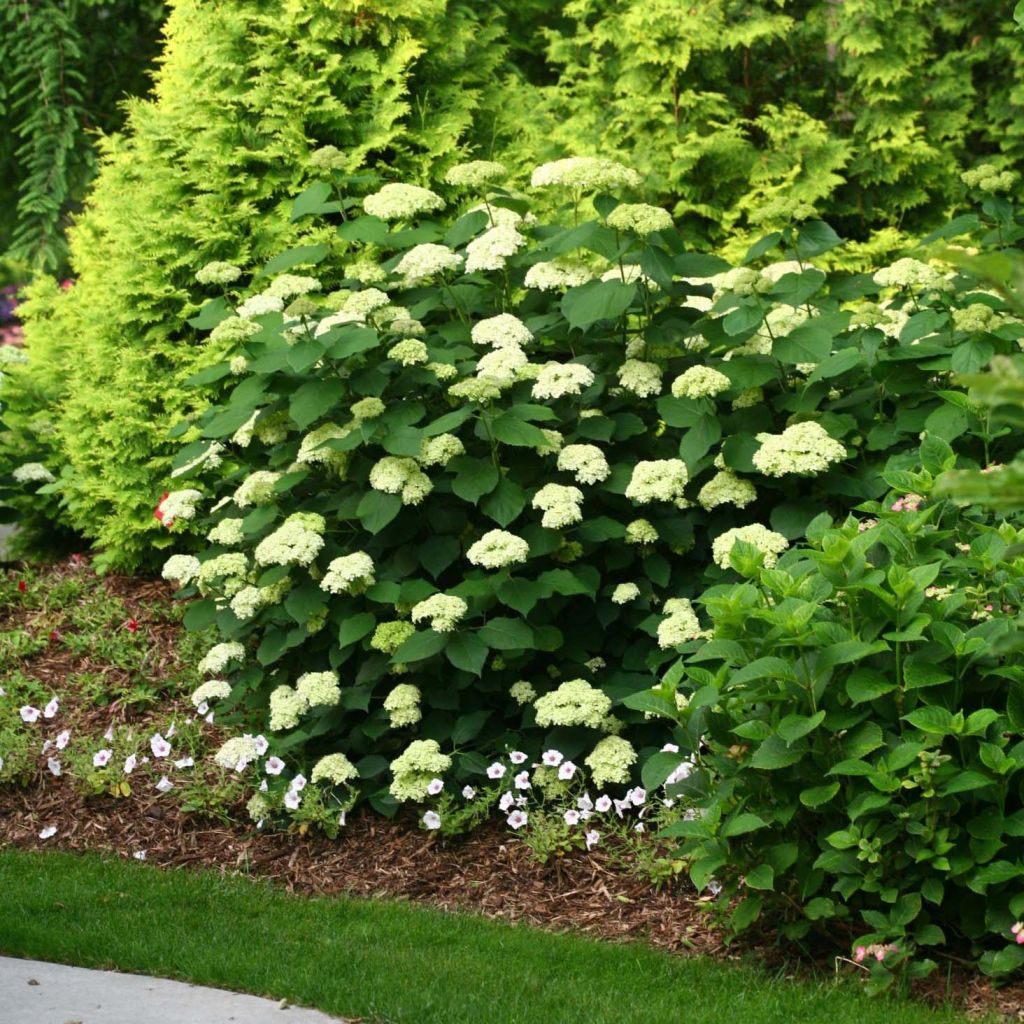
[855, 723]
[472, 481]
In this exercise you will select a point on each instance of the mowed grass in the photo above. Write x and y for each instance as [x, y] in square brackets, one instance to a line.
[383, 961]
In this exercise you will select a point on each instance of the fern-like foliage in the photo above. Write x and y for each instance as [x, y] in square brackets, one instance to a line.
[64, 67]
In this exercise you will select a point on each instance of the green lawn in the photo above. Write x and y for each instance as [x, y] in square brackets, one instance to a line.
[384, 961]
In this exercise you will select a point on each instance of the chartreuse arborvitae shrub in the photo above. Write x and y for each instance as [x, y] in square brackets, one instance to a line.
[747, 115]
[64, 70]
[245, 96]
[460, 494]
[856, 729]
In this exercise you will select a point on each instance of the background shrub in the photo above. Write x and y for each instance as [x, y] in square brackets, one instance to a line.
[744, 115]
[376, 440]
[206, 170]
[64, 70]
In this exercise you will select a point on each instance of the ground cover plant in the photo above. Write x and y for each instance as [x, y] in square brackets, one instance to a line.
[100, 912]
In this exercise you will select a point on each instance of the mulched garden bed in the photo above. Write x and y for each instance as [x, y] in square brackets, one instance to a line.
[489, 872]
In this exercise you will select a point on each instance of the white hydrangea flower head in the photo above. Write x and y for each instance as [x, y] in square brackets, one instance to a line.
[475, 389]
[318, 689]
[988, 178]
[586, 461]
[256, 489]
[624, 593]
[700, 382]
[911, 273]
[220, 656]
[33, 473]
[403, 705]
[349, 574]
[659, 480]
[237, 753]
[440, 450]
[555, 275]
[476, 173]
[409, 352]
[218, 272]
[726, 488]
[366, 271]
[226, 532]
[680, 624]
[389, 636]
[288, 286]
[639, 217]
[585, 172]
[232, 565]
[977, 317]
[640, 531]
[444, 611]
[642, 379]
[610, 761]
[502, 331]
[748, 399]
[804, 448]
[741, 281]
[397, 201]
[425, 261]
[497, 549]
[212, 689]
[286, 708]
[399, 474]
[296, 542]
[522, 692]
[247, 602]
[561, 505]
[555, 380]
[234, 330]
[502, 366]
[259, 305]
[365, 301]
[179, 505]
[334, 768]
[182, 569]
[491, 250]
[575, 702]
[768, 542]
[414, 769]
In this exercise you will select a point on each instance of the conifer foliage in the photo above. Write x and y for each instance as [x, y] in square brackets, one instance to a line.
[207, 170]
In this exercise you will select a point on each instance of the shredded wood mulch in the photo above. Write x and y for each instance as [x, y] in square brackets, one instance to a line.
[488, 872]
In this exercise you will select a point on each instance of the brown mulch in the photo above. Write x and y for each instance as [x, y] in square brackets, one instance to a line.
[489, 872]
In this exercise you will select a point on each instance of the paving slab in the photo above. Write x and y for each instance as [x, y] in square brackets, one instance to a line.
[32, 992]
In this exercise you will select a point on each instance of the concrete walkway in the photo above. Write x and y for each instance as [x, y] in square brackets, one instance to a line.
[37, 993]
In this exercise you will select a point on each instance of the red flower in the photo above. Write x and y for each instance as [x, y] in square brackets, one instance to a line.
[54, 635]
[132, 626]
[77, 559]
[22, 586]
[158, 512]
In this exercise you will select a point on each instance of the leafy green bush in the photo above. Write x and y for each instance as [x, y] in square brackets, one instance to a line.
[464, 499]
[246, 92]
[856, 727]
[746, 115]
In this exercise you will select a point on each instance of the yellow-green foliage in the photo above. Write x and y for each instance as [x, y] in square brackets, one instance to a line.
[749, 113]
[206, 170]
